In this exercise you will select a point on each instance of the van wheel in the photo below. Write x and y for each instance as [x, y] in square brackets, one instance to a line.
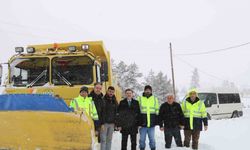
[208, 116]
[235, 114]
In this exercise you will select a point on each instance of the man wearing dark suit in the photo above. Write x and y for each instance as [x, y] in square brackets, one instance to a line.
[128, 119]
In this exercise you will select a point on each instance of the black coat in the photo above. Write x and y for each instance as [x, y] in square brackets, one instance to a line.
[110, 109]
[129, 116]
[99, 104]
[171, 116]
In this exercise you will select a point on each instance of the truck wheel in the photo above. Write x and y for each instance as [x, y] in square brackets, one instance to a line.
[235, 114]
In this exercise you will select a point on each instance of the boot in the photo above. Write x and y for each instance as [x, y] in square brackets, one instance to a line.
[195, 145]
[153, 148]
[186, 144]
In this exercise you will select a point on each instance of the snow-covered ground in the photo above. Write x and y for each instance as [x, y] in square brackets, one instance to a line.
[228, 134]
[1, 90]
[246, 102]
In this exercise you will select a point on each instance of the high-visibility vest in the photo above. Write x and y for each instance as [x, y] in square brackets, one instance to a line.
[149, 106]
[85, 104]
[196, 110]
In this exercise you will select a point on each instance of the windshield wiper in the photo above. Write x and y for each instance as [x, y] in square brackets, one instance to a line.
[63, 78]
[37, 78]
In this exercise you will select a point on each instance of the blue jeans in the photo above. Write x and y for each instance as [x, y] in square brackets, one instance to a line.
[151, 136]
[106, 136]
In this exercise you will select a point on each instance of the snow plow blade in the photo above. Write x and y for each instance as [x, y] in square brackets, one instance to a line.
[27, 127]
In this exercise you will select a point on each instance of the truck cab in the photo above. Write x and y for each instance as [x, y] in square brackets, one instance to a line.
[59, 69]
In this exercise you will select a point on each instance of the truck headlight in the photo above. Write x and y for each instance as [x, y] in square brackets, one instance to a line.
[72, 48]
[85, 47]
[30, 50]
[19, 50]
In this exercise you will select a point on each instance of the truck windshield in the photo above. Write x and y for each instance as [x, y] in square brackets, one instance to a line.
[29, 71]
[72, 70]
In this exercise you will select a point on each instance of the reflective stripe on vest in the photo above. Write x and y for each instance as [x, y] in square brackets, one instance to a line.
[148, 107]
[94, 112]
[153, 109]
[87, 105]
[76, 105]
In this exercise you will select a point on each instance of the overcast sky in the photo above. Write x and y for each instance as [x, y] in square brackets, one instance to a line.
[140, 31]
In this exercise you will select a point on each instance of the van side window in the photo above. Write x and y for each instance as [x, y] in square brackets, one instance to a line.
[237, 98]
[223, 98]
[229, 98]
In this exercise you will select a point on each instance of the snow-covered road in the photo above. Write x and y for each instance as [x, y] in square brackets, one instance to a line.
[228, 134]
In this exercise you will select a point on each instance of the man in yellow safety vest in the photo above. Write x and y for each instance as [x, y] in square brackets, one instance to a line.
[195, 115]
[149, 106]
[85, 103]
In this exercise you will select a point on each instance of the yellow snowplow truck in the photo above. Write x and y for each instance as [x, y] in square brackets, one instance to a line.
[59, 69]
[38, 82]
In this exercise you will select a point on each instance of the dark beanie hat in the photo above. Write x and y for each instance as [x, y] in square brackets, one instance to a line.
[148, 87]
[84, 88]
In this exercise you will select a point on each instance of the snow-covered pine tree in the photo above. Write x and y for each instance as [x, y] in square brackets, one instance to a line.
[195, 80]
[127, 76]
[160, 83]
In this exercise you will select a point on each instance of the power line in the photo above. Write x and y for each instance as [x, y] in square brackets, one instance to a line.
[214, 51]
[36, 28]
[27, 27]
[204, 72]
[29, 35]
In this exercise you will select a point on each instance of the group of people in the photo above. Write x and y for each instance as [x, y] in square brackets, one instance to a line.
[141, 115]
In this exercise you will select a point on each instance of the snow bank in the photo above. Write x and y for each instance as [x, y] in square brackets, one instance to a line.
[1, 90]
[246, 102]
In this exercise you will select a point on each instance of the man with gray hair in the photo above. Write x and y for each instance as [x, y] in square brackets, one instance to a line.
[171, 120]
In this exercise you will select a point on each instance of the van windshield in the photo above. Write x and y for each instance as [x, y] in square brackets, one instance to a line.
[208, 98]
[72, 70]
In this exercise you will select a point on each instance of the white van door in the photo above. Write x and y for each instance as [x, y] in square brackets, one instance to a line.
[227, 105]
[211, 103]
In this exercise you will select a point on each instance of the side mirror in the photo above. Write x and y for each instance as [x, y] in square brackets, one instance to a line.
[104, 72]
[208, 103]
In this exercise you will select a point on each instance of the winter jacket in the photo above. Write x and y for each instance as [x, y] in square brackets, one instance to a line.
[153, 119]
[99, 104]
[171, 115]
[110, 109]
[193, 122]
[128, 116]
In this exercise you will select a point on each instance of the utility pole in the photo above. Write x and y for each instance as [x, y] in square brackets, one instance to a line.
[172, 68]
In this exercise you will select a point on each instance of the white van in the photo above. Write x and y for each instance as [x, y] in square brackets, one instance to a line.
[222, 105]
